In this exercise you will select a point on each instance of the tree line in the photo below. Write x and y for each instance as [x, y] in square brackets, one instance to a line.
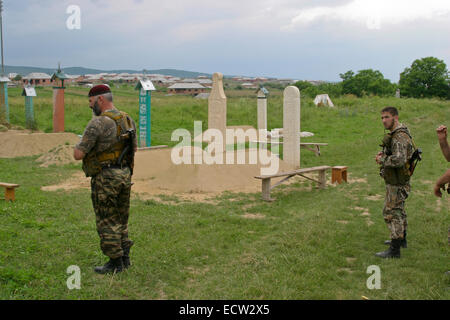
[426, 78]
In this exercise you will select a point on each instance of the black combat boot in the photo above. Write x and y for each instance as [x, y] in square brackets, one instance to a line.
[404, 243]
[393, 251]
[126, 258]
[113, 265]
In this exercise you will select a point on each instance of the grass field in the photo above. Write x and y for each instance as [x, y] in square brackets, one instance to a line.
[308, 244]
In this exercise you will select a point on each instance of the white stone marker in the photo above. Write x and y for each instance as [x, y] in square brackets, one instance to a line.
[217, 105]
[291, 126]
[262, 110]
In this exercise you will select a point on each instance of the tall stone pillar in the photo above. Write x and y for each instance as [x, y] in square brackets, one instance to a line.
[262, 110]
[217, 105]
[291, 126]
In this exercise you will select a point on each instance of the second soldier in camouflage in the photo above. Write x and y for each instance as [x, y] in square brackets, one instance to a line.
[394, 164]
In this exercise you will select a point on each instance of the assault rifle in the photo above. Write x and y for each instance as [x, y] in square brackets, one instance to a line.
[415, 158]
[129, 148]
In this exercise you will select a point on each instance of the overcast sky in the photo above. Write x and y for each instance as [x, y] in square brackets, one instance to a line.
[314, 40]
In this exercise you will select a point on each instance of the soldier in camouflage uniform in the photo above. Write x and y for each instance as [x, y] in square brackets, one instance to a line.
[107, 150]
[445, 179]
[397, 150]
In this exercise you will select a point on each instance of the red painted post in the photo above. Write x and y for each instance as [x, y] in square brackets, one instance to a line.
[58, 100]
[58, 109]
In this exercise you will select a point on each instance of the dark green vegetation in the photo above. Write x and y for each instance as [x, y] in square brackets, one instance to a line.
[426, 78]
[308, 244]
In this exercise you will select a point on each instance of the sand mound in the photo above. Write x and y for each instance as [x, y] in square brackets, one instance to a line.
[17, 143]
[155, 174]
[61, 155]
[154, 170]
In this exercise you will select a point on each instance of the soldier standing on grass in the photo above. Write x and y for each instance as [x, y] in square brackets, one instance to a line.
[397, 150]
[107, 149]
[445, 179]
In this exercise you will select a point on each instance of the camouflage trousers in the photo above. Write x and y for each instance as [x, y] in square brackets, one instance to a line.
[394, 209]
[110, 193]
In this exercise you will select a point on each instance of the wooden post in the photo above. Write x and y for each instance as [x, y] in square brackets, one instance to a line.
[322, 179]
[9, 194]
[266, 189]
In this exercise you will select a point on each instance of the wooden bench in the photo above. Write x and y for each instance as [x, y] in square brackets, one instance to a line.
[306, 145]
[9, 190]
[266, 187]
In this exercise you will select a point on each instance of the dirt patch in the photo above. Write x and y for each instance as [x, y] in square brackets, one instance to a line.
[350, 260]
[352, 179]
[197, 271]
[376, 197]
[76, 181]
[61, 155]
[346, 270]
[253, 216]
[21, 143]
[342, 221]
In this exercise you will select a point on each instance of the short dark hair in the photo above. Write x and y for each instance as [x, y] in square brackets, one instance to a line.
[392, 110]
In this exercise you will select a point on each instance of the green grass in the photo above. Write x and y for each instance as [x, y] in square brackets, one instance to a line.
[299, 249]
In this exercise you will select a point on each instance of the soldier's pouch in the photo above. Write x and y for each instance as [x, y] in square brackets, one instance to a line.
[402, 194]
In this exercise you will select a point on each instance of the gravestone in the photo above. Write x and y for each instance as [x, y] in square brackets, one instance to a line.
[262, 109]
[217, 105]
[291, 126]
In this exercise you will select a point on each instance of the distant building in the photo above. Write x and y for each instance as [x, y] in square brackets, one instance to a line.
[248, 85]
[186, 88]
[205, 82]
[37, 79]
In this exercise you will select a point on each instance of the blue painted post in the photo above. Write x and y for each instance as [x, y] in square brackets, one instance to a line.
[5, 86]
[29, 113]
[4, 107]
[145, 86]
[148, 141]
[144, 118]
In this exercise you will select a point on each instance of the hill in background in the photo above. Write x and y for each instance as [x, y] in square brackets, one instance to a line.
[82, 71]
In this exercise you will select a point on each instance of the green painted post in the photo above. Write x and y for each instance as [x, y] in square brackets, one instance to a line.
[145, 87]
[29, 92]
[4, 107]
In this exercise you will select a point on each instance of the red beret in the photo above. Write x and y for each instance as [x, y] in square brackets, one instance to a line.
[99, 89]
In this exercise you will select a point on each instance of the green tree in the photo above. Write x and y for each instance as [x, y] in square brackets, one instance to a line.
[366, 82]
[17, 78]
[426, 78]
[302, 85]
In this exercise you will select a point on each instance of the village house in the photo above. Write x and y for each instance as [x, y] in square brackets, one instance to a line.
[37, 79]
[186, 88]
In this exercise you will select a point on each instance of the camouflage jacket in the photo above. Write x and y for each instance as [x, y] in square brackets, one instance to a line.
[398, 149]
[100, 135]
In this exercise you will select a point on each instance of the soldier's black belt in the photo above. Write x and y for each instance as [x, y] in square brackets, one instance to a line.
[114, 166]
